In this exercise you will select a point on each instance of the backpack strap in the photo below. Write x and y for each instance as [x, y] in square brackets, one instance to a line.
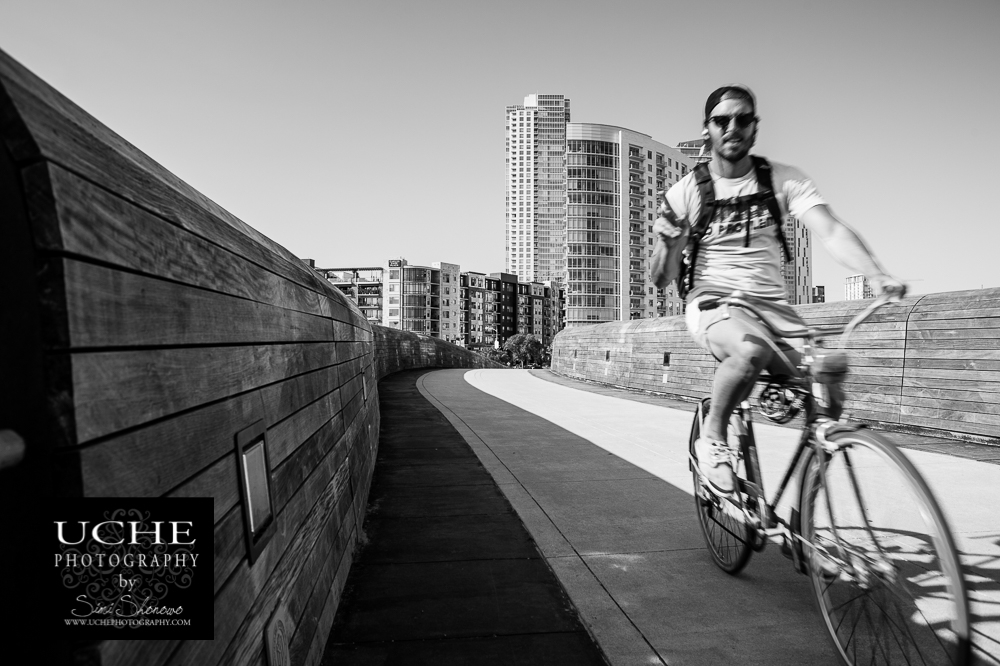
[706, 192]
[766, 184]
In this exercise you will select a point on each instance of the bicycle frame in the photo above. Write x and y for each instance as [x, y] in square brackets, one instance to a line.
[767, 523]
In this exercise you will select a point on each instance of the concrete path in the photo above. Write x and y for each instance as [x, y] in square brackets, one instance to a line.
[447, 573]
[601, 482]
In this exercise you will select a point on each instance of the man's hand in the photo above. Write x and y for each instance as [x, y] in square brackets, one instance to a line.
[669, 231]
[886, 284]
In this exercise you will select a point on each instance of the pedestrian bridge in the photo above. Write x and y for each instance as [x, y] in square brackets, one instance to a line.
[152, 345]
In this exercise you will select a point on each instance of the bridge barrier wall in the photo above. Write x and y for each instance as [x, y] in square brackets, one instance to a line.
[398, 350]
[930, 363]
[141, 328]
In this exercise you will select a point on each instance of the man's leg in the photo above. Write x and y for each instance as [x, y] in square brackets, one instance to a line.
[743, 352]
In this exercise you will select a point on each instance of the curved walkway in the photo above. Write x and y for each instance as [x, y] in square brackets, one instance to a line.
[600, 478]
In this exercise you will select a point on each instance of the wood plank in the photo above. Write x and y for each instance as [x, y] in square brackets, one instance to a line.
[292, 583]
[956, 324]
[952, 364]
[952, 334]
[285, 437]
[252, 592]
[949, 392]
[958, 384]
[986, 302]
[122, 389]
[952, 415]
[991, 406]
[331, 441]
[961, 354]
[954, 426]
[229, 546]
[318, 645]
[918, 343]
[964, 313]
[90, 222]
[965, 375]
[152, 460]
[218, 481]
[111, 308]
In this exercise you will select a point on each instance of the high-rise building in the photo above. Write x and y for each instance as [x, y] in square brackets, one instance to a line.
[798, 272]
[535, 181]
[613, 177]
[857, 287]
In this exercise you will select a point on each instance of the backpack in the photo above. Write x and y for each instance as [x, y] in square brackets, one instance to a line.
[706, 190]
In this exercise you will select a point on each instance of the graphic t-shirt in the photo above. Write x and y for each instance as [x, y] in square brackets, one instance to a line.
[740, 248]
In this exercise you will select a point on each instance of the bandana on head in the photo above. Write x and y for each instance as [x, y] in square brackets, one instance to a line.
[733, 91]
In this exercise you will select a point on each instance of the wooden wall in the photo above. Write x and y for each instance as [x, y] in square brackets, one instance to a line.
[142, 327]
[929, 363]
[396, 350]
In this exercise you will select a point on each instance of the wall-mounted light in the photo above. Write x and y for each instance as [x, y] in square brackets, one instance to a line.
[254, 474]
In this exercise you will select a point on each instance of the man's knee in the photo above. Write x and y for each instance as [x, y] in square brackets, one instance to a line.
[753, 353]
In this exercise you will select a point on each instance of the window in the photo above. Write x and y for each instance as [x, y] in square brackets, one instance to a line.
[394, 275]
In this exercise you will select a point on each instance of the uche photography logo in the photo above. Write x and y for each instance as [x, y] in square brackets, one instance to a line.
[131, 568]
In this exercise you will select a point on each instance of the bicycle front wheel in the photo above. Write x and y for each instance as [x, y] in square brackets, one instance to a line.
[882, 560]
[728, 537]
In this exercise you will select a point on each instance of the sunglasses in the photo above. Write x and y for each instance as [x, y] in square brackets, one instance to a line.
[743, 120]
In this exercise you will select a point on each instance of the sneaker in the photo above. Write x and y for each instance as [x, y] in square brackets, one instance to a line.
[715, 462]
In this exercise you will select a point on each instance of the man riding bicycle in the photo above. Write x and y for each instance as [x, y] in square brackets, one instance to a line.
[737, 244]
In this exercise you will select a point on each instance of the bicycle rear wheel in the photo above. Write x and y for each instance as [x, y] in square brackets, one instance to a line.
[882, 560]
[728, 537]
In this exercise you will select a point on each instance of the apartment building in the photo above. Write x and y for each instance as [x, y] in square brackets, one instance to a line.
[857, 287]
[362, 284]
[613, 177]
[467, 308]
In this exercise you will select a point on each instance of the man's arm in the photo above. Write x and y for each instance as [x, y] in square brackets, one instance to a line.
[847, 247]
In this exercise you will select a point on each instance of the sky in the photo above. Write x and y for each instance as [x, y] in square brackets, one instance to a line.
[351, 132]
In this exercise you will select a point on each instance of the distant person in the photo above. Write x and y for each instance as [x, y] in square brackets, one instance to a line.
[736, 244]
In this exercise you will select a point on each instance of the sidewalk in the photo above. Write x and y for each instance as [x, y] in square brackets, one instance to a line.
[603, 486]
[448, 575]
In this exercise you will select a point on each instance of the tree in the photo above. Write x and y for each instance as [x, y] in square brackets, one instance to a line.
[515, 347]
[523, 349]
[533, 349]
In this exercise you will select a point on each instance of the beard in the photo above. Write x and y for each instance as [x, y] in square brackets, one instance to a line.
[735, 153]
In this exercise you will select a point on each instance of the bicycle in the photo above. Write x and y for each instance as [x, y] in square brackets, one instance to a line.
[885, 574]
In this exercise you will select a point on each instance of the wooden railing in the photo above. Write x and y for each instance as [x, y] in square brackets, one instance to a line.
[142, 328]
[928, 364]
